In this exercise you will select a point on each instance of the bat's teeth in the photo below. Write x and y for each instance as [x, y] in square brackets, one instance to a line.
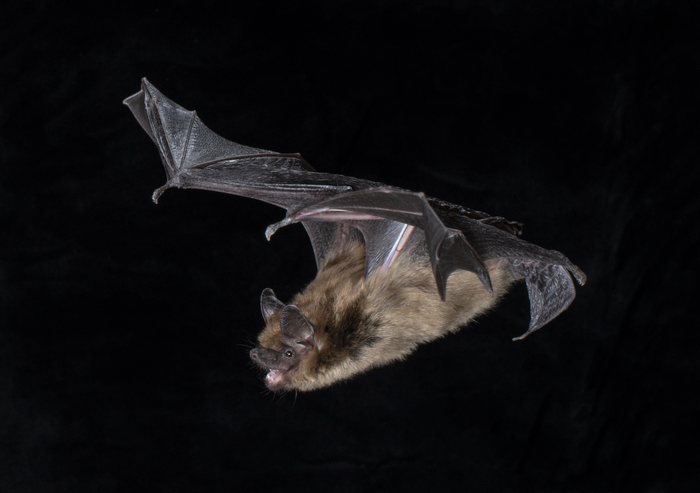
[274, 377]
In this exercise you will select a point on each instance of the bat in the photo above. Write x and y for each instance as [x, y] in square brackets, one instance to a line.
[396, 268]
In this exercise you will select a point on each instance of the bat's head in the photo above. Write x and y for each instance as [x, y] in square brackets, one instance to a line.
[287, 347]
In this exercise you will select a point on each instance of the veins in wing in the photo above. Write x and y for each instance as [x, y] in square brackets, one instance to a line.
[267, 160]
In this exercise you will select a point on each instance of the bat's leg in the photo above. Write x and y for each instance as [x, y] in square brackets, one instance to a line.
[399, 244]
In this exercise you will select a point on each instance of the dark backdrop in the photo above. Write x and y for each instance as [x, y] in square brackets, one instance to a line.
[125, 326]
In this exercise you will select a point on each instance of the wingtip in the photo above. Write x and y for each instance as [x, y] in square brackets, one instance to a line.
[529, 331]
[145, 84]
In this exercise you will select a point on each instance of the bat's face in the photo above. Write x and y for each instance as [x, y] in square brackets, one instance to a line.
[287, 343]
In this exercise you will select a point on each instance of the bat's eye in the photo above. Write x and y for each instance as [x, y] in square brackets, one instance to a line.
[288, 353]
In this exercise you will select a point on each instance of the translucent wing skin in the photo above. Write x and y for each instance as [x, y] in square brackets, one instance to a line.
[546, 272]
[337, 209]
[448, 249]
[196, 157]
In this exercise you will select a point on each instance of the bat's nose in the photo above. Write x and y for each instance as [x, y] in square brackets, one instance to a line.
[254, 355]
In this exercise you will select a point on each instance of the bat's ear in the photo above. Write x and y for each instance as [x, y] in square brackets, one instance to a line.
[296, 328]
[269, 304]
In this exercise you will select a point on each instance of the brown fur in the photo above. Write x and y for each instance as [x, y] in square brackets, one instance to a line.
[365, 323]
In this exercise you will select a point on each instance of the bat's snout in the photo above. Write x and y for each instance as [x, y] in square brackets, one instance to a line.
[254, 356]
[276, 377]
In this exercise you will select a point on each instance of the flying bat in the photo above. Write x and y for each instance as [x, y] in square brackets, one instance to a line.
[396, 268]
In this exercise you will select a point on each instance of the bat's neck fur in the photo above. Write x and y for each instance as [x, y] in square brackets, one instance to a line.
[363, 323]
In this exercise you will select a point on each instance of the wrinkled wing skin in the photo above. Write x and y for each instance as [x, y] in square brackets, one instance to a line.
[492, 243]
[333, 236]
[546, 272]
[336, 210]
[195, 157]
[550, 289]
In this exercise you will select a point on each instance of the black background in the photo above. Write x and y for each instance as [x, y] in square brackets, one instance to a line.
[125, 326]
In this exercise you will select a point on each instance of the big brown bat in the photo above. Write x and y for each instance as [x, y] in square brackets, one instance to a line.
[395, 268]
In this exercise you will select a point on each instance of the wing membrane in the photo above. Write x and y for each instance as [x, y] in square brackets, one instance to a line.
[336, 209]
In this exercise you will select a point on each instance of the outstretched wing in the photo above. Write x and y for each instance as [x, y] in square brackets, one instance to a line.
[336, 209]
[196, 157]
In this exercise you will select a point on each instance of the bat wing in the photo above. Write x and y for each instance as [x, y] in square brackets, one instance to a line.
[337, 209]
[455, 241]
[195, 157]
[379, 211]
[547, 273]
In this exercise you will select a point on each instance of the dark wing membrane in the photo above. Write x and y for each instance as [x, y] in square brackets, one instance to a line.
[384, 239]
[196, 157]
[448, 249]
[333, 208]
[491, 243]
[329, 237]
[546, 272]
[455, 241]
[550, 289]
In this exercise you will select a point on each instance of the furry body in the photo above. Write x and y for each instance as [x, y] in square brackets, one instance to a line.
[360, 323]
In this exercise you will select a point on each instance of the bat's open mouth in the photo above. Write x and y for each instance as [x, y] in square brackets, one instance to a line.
[273, 379]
